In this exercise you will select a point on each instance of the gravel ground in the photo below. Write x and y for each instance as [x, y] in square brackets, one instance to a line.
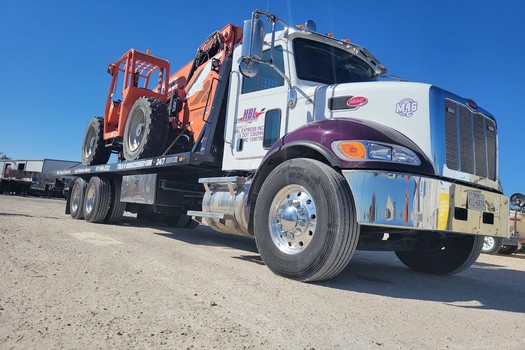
[68, 284]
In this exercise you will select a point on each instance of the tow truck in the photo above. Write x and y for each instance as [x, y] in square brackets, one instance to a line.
[301, 141]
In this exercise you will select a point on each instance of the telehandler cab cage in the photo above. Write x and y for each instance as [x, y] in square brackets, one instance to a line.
[140, 70]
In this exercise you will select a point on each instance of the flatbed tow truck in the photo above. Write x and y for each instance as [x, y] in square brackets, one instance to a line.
[295, 138]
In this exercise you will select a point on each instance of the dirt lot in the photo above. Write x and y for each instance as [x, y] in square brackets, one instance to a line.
[68, 284]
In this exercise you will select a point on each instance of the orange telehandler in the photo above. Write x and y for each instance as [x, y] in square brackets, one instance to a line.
[148, 112]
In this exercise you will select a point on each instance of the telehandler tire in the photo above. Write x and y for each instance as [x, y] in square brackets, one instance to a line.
[146, 129]
[97, 199]
[76, 201]
[94, 150]
[305, 221]
[443, 256]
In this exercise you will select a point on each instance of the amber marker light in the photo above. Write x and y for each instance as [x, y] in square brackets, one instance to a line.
[352, 149]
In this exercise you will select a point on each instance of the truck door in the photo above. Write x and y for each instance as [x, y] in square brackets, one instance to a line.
[257, 113]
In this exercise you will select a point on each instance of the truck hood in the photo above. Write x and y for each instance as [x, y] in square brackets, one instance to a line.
[419, 111]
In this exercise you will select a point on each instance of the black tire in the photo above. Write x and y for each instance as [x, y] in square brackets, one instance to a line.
[146, 129]
[146, 215]
[76, 201]
[178, 220]
[442, 256]
[97, 199]
[305, 222]
[491, 245]
[94, 150]
[508, 249]
[192, 224]
[116, 208]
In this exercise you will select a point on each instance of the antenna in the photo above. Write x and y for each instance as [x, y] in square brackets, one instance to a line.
[268, 6]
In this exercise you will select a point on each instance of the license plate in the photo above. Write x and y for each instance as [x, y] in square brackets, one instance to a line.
[475, 201]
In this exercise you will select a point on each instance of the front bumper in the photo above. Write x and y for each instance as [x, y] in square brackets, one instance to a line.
[404, 201]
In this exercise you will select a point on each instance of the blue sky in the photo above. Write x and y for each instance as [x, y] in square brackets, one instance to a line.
[54, 56]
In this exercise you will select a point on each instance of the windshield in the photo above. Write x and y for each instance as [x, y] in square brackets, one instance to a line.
[328, 64]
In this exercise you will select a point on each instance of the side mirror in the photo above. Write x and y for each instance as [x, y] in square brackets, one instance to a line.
[248, 67]
[252, 46]
[253, 38]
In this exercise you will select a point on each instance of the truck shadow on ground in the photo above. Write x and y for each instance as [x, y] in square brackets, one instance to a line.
[483, 286]
[205, 236]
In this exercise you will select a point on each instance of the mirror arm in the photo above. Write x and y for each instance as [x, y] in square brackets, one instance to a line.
[292, 94]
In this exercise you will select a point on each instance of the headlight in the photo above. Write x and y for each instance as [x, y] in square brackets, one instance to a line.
[363, 150]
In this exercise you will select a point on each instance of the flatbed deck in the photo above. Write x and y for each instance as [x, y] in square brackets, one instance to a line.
[189, 161]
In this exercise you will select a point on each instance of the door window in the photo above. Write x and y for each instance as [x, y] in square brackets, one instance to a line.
[267, 77]
[272, 127]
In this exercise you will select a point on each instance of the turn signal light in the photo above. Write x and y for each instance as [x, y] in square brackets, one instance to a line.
[365, 150]
[353, 149]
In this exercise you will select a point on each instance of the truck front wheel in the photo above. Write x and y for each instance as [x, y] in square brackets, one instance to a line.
[442, 255]
[146, 129]
[305, 225]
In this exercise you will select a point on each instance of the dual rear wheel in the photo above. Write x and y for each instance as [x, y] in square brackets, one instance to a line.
[97, 201]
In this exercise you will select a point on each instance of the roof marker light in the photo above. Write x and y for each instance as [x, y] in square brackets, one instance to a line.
[472, 104]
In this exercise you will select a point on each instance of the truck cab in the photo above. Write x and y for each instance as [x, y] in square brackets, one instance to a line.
[420, 162]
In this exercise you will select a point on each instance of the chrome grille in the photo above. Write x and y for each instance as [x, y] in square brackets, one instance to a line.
[470, 141]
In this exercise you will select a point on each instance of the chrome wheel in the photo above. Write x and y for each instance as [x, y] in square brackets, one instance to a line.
[292, 219]
[90, 199]
[76, 198]
[489, 243]
[90, 144]
[137, 127]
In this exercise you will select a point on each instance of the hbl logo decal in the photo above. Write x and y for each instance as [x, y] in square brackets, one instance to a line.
[406, 107]
[251, 114]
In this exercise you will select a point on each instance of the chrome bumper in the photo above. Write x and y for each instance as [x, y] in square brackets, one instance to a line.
[413, 202]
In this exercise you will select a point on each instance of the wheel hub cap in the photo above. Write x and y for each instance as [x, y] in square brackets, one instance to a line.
[488, 243]
[137, 127]
[75, 198]
[90, 199]
[292, 219]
